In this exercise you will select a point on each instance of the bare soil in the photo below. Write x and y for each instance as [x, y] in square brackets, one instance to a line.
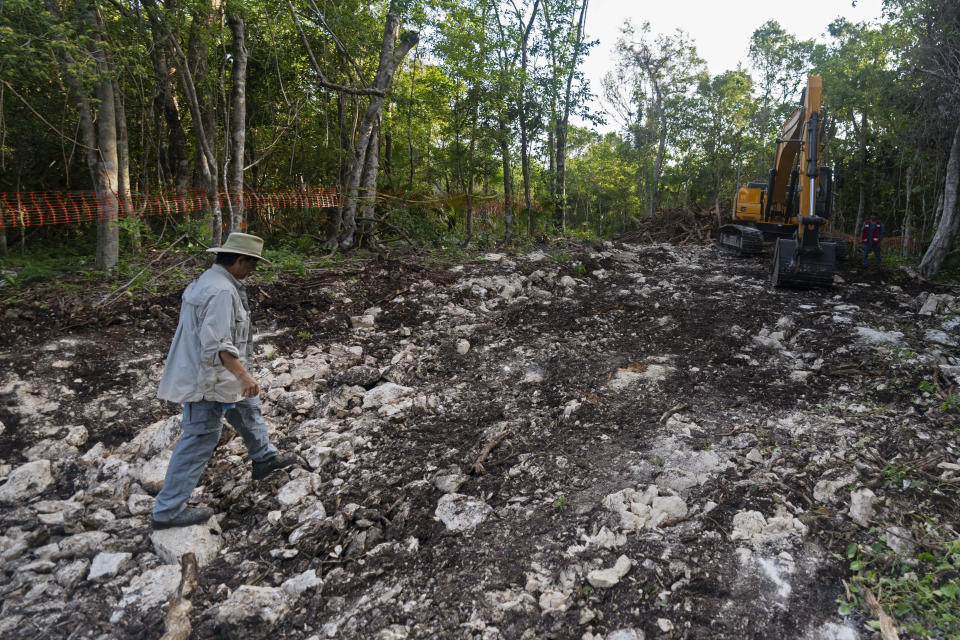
[855, 406]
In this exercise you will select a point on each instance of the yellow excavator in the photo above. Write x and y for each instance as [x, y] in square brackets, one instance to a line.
[793, 206]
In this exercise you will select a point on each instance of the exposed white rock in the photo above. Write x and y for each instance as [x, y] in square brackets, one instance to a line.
[26, 481]
[250, 613]
[606, 539]
[638, 510]
[450, 481]
[71, 573]
[385, 394]
[363, 322]
[313, 512]
[107, 565]
[151, 472]
[878, 338]
[318, 455]
[154, 439]
[861, 506]
[929, 305]
[82, 543]
[295, 491]
[204, 540]
[825, 490]
[463, 346]
[752, 526]
[147, 590]
[900, 540]
[625, 634]
[139, 503]
[606, 578]
[461, 513]
[51, 450]
[76, 435]
[296, 585]
[553, 600]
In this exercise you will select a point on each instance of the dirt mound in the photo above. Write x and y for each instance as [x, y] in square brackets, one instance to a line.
[686, 225]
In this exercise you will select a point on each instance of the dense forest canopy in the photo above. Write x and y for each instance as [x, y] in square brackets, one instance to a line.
[459, 114]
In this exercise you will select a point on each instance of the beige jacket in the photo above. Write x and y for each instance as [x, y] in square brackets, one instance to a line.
[214, 317]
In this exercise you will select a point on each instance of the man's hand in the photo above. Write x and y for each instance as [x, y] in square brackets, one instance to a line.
[248, 386]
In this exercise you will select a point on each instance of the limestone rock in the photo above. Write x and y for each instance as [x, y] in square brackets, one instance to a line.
[606, 578]
[296, 585]
[82, 543]
[638, 510]
[755, 527]
[825, 490]
[154, 439]
[360, 375]
[625, 634]
[295, 491]
[385, 394]
[900, 540]
[861, 506]
[71, 573]
[139, 504]
[250, 613]
[51, 450]
[461, 513]
[107, 565]
[152, 472]
[318, 455]
[149, 589]
[204, 540]
[26, 481]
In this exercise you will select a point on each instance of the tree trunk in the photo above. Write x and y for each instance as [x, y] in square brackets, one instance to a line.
[507, 182]
[522, 117]
[123, 175]
[392, 54]
[106, 180]
[368, 190]
[238, 123]
[862, 203]
[907, 217]
[178, 164]
[100, 142]
[565, 121]
[204, 112]
[946, 232]
[658, 164]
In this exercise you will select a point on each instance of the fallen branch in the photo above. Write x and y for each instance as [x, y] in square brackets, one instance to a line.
[888, 626]
[487, 448]
[116, 292]
[677, 408]
[177, 623]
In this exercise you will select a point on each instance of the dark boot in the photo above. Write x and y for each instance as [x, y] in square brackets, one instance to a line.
[186, 518]
[266, 467]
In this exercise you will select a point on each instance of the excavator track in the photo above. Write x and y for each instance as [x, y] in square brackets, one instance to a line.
[740, 240]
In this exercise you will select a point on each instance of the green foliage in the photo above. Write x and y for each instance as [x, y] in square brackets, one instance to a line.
[561, 503]
[922, 592]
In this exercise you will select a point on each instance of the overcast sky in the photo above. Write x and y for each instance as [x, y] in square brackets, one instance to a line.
[720, 30]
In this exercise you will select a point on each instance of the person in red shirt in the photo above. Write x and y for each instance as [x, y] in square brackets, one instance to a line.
[870, 237]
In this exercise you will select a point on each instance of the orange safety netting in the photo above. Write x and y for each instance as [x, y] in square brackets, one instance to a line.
[34, 208]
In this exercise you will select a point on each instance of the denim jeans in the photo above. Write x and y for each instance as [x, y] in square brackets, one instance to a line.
[202, 423]
[867, 249]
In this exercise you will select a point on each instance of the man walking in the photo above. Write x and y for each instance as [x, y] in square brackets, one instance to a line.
[871, 235]
[206, 370]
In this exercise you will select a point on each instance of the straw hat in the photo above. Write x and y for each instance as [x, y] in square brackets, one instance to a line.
[244, 244]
